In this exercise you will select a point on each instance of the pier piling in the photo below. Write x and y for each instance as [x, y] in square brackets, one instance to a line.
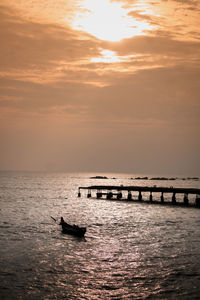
[185, 199]
[129, 195]
[174, 198]
[151, 197]
[119, 195]
[109, 195]
[99, 194]
[197, 201]
[162, 197]
[89, 194]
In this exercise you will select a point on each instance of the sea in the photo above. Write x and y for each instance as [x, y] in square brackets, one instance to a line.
[131, 250]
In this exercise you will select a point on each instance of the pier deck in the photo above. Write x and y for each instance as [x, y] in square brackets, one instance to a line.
[112, 192]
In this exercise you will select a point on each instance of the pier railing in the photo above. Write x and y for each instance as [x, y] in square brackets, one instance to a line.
[126, 193]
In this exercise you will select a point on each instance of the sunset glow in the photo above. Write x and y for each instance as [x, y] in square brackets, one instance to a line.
[100, 85]
[107, 20]
[107, 56]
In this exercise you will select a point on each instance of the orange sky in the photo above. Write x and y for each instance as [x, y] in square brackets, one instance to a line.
[99, 85]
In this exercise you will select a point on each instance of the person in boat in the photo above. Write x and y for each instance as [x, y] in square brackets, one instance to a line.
[62, 222]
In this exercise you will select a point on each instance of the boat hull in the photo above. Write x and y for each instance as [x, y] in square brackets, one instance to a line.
[74, 230]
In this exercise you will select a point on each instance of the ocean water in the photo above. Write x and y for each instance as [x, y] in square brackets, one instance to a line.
[130, 251]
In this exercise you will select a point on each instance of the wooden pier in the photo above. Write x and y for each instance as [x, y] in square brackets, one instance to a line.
[128, 193]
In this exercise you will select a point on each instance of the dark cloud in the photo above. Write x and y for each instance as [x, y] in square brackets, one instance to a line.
[158, 94]
[193, 3]
[156, 45]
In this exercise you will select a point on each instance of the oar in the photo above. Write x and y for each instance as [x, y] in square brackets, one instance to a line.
[53, 219]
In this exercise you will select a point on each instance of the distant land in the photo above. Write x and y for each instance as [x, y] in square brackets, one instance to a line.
[166, 178]
[98, 177]
[147, 178]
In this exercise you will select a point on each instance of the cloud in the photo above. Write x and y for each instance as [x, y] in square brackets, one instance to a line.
[47, 69]
[38, 47]
[138, 15]
[158, 95]
[193, 3]
[156, 45]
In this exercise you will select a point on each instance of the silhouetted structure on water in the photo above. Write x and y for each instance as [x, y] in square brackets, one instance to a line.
[128, 193]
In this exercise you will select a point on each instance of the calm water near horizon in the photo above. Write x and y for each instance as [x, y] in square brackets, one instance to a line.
[130, 250]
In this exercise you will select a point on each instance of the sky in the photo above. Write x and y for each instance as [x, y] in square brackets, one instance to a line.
[100, 86]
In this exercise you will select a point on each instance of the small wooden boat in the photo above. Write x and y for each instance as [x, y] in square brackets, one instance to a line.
[72, 229]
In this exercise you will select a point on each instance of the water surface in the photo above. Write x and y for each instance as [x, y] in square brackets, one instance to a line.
[130, 251]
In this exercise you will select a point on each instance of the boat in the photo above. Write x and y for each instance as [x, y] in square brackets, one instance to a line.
[72, 229]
